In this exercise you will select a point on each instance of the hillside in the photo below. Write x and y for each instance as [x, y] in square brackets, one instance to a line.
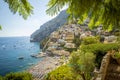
[47, 28]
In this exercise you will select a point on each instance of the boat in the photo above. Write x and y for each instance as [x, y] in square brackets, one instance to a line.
[21, 57]
[34, 55]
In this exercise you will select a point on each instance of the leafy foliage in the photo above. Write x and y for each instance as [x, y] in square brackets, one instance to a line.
[17, 76]
[0, 27]
[90, 40]
[61, 73]
[117, 33]
[70, 49]
[1, 78]
[95, 48]
[116, 55]
[23, 7]
[77, 41]
[79, 63]
[99, 50]
[55, 6]
[118, 39]
[105, 12]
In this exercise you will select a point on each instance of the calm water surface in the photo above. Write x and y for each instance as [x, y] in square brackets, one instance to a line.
[11, 48]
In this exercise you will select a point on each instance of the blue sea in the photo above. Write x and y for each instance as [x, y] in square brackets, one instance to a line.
[11, 48]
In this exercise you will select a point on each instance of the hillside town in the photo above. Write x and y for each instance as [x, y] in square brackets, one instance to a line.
[60, 43]
[64, 38]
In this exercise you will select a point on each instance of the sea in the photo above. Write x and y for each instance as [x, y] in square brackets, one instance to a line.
[12, 48]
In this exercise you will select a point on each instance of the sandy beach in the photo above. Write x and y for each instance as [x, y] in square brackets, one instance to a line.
[43, 67]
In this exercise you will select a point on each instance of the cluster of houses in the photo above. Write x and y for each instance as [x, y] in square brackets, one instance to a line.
[64, 36]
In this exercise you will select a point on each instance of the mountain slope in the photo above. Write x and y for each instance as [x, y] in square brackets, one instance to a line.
[50, 26]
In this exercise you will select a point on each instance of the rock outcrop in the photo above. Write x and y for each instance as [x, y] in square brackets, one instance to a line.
[109, 70]
[50, 26]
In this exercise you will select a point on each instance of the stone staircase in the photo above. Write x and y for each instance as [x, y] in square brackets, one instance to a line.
[113, 71]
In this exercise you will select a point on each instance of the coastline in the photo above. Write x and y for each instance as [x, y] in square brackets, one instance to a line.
[11, 48]
[46, 65]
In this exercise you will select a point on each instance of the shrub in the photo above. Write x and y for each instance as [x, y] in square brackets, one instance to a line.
[99, 50]
[18, 76]
[77, 41]
[117, 33]
[61, 73]
[95, 48]
[70, 49]
[116, 55]
[118, 39]
[1, 78]
[90, 40]
[82, 64]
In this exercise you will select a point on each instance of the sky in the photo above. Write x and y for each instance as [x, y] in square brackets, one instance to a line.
[15, 25]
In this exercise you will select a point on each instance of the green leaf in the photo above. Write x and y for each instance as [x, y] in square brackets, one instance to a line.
[0, 27]
[100, 12]
[23, 7]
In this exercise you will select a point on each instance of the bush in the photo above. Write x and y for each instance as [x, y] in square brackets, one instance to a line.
[82, 64]
[18, 76]
[90, 40]
[70, 49]
[116, 55]
[118, 40]
[1, 78]
[61, 73]
[99, 47]
[117, 33]
[99, 50]
[77, 41]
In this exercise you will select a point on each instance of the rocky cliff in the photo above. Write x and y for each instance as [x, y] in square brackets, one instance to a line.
[50, 26]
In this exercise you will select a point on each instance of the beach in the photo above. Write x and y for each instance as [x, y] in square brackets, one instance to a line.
[43, 67]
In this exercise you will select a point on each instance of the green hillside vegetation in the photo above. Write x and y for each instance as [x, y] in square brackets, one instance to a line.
[90, 40]
[82, 64]
[99, 49]
[91, 51]
[83, 61]
[17, 76]
[77, 41]
[63, 72]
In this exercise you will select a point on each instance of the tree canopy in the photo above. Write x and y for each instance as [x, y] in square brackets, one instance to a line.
[0, 27]
[100, 12]
[23, 7]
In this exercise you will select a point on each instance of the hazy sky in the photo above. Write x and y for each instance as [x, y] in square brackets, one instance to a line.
[15, 25]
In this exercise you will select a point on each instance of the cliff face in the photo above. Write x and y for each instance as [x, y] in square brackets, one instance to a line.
[50, 26]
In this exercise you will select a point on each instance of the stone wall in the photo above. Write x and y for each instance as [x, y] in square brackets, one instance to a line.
[103, 69]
